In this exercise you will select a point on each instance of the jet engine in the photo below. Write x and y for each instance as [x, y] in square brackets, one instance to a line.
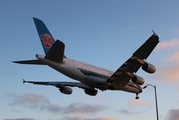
[149, 68]
[91, 92]
[138, 80]
[66, 90]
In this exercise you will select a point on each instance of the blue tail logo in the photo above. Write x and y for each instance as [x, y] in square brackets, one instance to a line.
[47, 40]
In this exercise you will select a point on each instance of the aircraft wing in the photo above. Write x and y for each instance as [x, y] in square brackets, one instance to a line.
[59, 84]
[124, 73]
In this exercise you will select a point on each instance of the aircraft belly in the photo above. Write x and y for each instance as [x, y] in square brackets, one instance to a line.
[69, 71]
[122, 82]
[93, 81]
[129, 87]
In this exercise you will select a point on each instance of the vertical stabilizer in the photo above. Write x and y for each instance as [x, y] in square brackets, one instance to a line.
[45, 36]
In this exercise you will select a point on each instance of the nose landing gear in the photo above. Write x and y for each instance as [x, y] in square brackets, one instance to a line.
[137, 97]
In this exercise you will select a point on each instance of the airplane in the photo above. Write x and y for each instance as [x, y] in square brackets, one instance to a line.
[89, 77]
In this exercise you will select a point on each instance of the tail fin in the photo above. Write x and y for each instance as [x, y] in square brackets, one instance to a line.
[45, 36]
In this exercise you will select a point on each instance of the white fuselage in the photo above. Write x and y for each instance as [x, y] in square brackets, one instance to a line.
[87, 74]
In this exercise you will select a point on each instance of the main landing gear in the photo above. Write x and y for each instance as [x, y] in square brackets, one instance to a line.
[137, 97]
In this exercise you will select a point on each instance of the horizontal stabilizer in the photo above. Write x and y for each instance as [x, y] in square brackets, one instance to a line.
[56, 53]
[35, 62]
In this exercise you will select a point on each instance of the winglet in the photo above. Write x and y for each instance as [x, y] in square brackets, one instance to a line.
[154, 33]
[23, 81]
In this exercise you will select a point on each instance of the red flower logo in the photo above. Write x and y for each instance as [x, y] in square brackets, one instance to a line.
[48, 40]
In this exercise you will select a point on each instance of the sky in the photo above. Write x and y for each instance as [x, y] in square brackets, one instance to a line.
[103, 33]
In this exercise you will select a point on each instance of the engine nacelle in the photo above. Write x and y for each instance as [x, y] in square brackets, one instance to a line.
[149, 68]
[66, 90]
[138, 80]
[91, 92]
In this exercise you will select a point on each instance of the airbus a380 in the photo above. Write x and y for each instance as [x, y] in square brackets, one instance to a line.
[89, 77]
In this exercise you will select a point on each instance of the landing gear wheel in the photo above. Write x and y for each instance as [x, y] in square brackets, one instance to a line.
[137, 97]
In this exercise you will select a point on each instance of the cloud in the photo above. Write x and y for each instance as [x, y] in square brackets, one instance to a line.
[102, 118]
[168, 74]
[39, 102]
[173, 114]
[19, 119]
[82, 118]
[138, 102]
[127, 112]
[168, 44]
[174, 57]
[30, 98]
[83, 108]
[72, 118]
[168, 69]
